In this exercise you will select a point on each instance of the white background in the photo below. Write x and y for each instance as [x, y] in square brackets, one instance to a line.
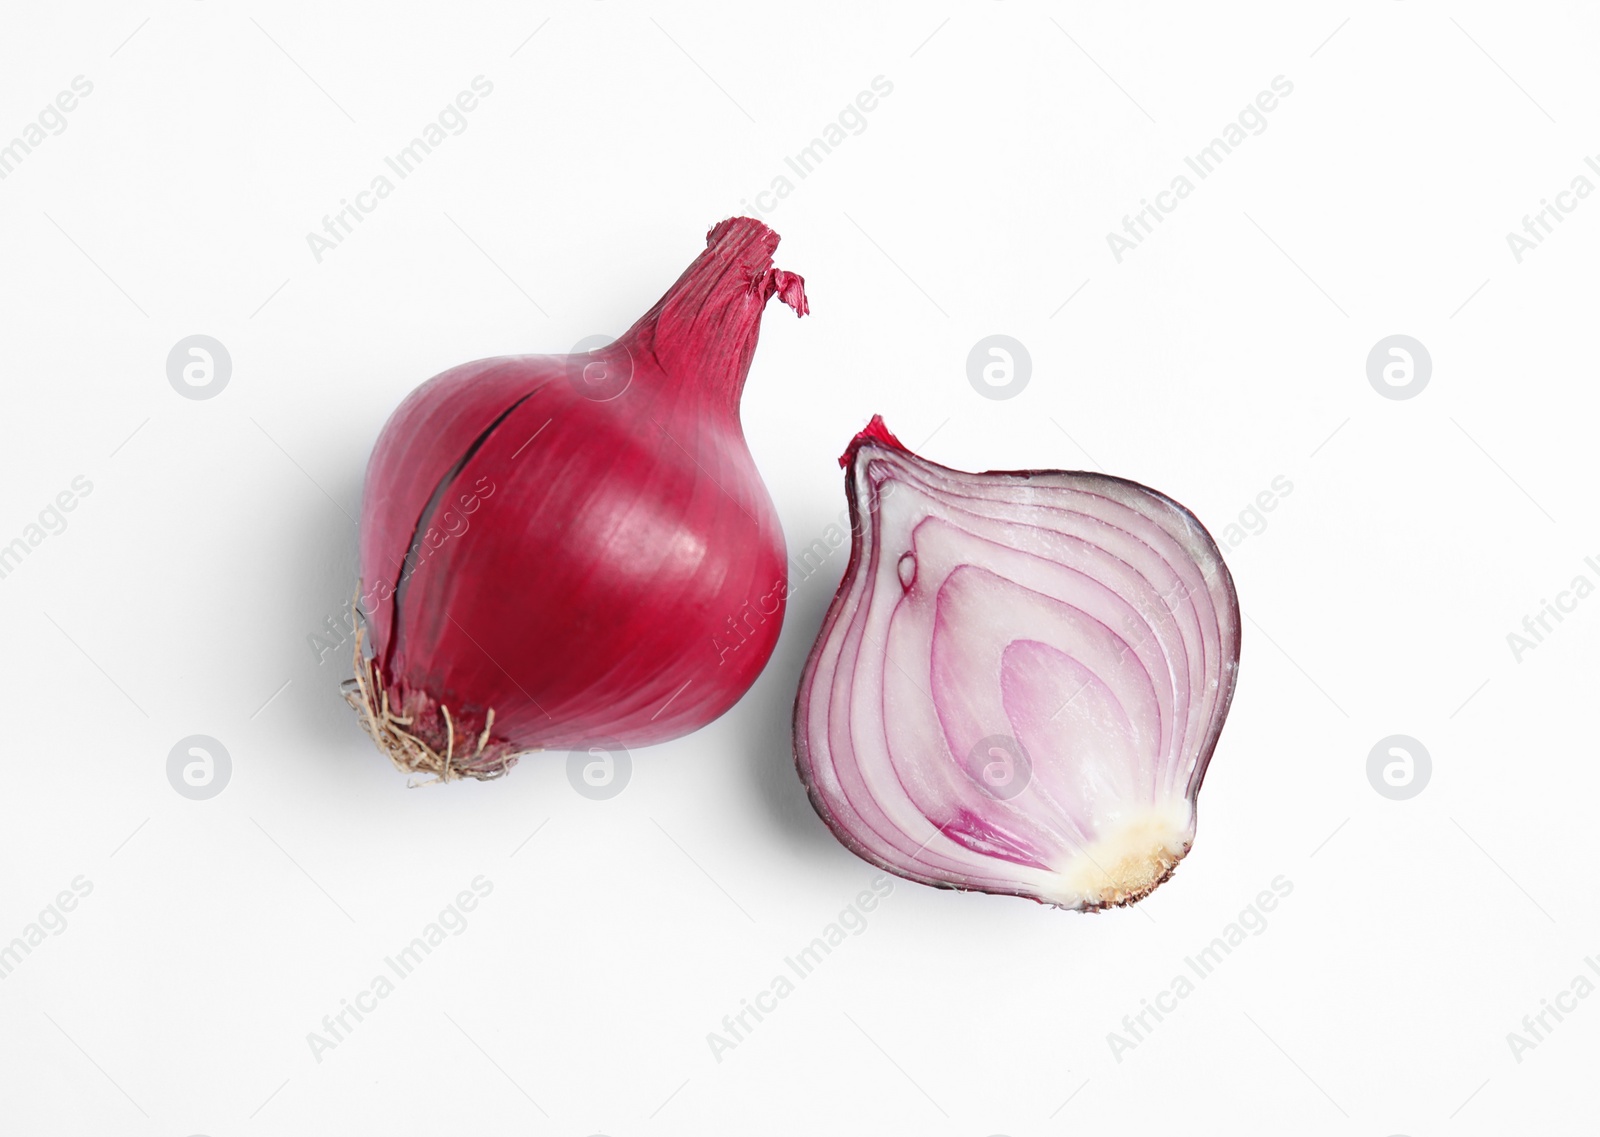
[1228, 349]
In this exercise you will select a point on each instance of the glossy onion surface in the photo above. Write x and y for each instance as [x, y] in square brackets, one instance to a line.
[576, 551]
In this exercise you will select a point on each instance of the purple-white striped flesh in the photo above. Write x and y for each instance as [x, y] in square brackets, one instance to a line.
[1021, 680]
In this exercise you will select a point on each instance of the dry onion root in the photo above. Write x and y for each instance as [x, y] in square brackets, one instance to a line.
[409, 752]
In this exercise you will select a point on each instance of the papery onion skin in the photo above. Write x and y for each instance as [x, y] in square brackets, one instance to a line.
[564, 551]
[1021, 680]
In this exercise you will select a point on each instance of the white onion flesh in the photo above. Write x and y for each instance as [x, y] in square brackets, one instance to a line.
[1021, 680]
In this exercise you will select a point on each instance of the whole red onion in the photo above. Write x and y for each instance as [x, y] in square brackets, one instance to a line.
[572, 551]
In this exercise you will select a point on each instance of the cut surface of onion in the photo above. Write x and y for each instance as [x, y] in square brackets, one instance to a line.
[1021, 680]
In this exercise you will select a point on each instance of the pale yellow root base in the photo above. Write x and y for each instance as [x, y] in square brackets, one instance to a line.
[1129, 862]
[410, 754]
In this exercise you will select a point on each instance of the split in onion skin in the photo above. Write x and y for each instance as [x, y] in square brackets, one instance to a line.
[576, 551]
[1020, 681]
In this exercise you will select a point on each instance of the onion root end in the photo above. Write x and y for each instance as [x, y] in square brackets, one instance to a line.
[483, 757]
[1130, 862]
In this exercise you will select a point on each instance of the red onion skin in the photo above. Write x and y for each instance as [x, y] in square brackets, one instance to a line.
[587, 598]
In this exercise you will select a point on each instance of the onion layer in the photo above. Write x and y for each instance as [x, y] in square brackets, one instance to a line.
[1020, 681]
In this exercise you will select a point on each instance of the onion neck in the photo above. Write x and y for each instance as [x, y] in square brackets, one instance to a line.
[874, 432]
[703, 332]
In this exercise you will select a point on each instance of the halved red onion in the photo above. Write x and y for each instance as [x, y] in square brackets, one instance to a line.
[1020, 681]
